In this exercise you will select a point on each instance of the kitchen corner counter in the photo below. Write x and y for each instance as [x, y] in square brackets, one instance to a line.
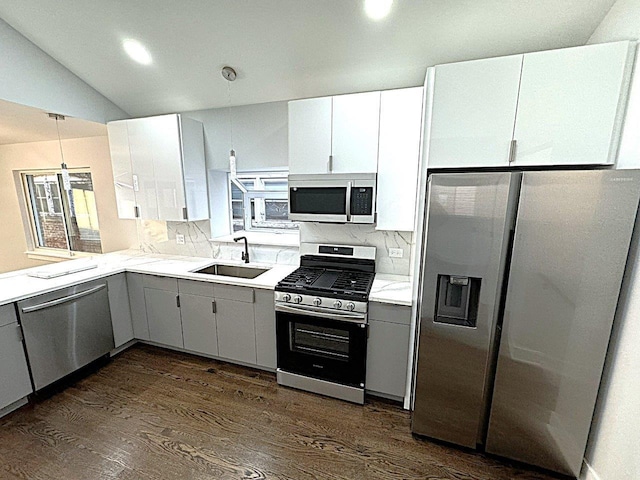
[182, 267]
[393, 289]
[18, 285]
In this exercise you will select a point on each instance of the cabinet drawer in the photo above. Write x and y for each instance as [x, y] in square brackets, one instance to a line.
[7, 314]
[239, 294]
[160, 283]
[390, 313]
[191, 287]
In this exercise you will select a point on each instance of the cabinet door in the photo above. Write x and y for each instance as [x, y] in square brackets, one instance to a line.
[387, 358]
[163, 316]
[199, 323]
[474, 110]
[120, 311]
[14, 374]
[165, 143]
[356, 122]
[122, 170]
[194, 169]
[236, 330]
[142, 153]
[569, 105]
[265, 329]
[137, 306]
[309, 135]
[399, 157]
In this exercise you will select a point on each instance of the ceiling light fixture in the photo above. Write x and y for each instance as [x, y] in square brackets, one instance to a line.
[229, 74]
[137, 51]
[377, 9]
[66, 179]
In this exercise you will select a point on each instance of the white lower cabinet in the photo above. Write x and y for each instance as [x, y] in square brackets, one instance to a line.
[120, 311]
[265, 328]
[197, 309]
[14, 374]
[138, 308]
[236, 323]
[388, 349]
[163, 310]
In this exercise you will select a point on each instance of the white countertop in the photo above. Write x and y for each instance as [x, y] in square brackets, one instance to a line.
[394, 289]
[17, 285]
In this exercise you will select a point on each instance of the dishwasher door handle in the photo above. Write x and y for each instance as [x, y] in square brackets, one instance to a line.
[66, 299]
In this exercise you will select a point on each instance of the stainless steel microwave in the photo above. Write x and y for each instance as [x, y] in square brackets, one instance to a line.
[339, 198]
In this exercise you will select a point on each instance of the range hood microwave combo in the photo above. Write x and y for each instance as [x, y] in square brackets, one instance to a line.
[337, 198]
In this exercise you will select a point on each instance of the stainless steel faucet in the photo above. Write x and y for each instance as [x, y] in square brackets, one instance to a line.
[245, 254]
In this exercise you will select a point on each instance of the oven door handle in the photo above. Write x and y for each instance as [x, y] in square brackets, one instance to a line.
[346, 317]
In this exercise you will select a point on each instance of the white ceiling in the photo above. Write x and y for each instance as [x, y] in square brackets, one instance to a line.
[20, 124]
[283, 49]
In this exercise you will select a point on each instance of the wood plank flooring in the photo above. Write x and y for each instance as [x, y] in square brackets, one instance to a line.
[155, 414]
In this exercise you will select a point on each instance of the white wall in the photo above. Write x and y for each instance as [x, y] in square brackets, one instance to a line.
[260, 136]
[612, 453]
[92, 152]
[31, 77]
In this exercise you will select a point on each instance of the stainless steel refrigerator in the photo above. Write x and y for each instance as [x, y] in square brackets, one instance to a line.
[521, 274]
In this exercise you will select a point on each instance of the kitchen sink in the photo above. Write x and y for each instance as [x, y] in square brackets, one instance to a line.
[238, 271]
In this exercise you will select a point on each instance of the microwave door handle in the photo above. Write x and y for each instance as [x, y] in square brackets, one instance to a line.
[348, 206]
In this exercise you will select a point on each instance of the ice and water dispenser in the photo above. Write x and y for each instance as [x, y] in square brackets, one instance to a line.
[457, 300]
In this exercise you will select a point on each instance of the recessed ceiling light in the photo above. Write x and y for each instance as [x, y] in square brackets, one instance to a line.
[137, 51]
[377, 9]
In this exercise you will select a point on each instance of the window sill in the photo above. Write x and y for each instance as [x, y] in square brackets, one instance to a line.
[285, 239]
[55, 256]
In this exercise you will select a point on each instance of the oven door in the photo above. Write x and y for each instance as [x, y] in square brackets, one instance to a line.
[325, 348]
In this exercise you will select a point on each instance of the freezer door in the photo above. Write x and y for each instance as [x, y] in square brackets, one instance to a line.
[572, 237]
[468, 219]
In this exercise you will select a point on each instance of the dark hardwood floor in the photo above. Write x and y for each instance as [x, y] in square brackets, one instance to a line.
[155, 414]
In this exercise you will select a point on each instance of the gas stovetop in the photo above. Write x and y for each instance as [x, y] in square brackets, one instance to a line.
[328, 282]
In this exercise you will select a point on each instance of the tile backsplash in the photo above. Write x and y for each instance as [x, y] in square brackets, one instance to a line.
[160, 237]
[353, 234]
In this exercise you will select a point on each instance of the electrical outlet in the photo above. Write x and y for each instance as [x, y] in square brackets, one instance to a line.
[396, 253]
[179, 239]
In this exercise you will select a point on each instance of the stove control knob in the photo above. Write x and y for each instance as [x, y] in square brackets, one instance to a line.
[317, 301]
[337, 304]
[286, 297]
[351, 306]
[297, 299]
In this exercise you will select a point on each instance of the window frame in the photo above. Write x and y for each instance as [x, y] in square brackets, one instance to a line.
[250, 194]
[35, 250]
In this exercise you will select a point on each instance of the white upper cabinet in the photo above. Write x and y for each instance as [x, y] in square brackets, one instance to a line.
[310, 135]
[334, 134]
[167, 168]
[474, 108]
[571, 104]
[122, 169]
[354, 141]
[558, 107]
[399, 155]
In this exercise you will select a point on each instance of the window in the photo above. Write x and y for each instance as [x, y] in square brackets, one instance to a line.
[259, 201]
[64, 219]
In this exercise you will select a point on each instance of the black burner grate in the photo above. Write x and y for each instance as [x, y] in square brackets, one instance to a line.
[351, 281]
[302, 276]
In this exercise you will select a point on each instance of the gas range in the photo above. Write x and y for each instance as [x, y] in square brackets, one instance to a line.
[330, 277]
[321, 321]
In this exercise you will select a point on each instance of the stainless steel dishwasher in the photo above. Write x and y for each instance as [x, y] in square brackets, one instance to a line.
[66, 330]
